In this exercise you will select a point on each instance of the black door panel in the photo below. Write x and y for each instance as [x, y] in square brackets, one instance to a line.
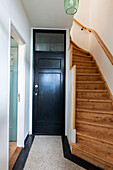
[48, 96]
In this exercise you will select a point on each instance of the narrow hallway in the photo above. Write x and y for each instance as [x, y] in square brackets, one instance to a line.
[47, 154]
[56, 74]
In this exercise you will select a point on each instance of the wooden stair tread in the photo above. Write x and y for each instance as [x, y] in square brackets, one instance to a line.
[84, 67]
[95, 100]
[99, 155]
[91, 82]
[79, 49]
[82, 55]
[84, 61]
[95, 90]
[96, 111]
[96, 123]
[97, 137]
[88, 74]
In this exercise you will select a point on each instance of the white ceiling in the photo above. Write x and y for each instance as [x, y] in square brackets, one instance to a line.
[47, 13]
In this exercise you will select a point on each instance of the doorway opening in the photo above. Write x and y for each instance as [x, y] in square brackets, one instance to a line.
[13, 107]
[49, 47]
[16, 95]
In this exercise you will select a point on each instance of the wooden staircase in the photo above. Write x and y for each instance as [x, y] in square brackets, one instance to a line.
[94, 112]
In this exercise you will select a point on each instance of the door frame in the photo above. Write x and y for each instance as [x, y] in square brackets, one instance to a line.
[21, 85]
[49, 31]
[67, 68]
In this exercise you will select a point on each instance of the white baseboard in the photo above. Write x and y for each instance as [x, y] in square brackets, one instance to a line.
[73, 136]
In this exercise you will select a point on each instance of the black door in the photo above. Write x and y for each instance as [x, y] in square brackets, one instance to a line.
[49, 82]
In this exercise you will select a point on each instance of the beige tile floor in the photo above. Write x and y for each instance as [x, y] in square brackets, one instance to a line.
[46, 154]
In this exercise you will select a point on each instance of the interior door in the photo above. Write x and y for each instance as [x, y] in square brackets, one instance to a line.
[49, 83]
[13, 91]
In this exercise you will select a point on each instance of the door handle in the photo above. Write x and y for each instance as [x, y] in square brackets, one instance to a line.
[36, 86]
[19, 97]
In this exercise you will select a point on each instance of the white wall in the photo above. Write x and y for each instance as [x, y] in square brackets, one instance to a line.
[10, 9]
[98, 15]
[101, 20]
[81, 38]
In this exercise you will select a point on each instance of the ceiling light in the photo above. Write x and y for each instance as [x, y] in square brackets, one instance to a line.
[71, 6]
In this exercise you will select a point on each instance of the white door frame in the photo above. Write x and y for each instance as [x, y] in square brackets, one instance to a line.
[21, 85]
[66, 77]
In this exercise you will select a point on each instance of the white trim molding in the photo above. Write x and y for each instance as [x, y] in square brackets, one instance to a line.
[31, 77]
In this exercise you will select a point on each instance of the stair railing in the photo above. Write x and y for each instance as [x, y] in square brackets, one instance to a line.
[103, 46]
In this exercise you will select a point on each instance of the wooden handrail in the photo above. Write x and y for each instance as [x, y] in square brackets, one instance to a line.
[105, 49]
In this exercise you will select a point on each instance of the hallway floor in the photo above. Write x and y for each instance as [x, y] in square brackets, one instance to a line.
[14, 152]
[47, 154]
[12, 148]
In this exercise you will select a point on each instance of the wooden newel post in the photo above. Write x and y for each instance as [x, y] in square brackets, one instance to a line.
[71, 56]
